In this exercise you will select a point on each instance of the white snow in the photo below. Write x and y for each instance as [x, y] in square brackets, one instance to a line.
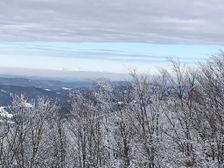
[7, 121]
[26, 104]
[65, 88]
[120, 103]
[4, 113]
[3, 91]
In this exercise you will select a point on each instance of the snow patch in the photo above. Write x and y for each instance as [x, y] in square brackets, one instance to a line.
[120, 103]
[26, 104]
[3, 91]
[4, 113]
[65, 88]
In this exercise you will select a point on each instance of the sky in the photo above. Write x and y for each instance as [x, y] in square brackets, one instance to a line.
[108, 35]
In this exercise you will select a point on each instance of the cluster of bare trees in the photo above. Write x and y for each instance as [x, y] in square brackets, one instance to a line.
[171, 120]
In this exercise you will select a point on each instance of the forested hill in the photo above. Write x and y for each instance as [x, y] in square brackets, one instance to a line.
[172, 120]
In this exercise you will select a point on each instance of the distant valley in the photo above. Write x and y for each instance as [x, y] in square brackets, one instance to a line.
[33, 89]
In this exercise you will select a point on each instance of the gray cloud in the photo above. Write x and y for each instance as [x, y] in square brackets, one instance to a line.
[159, 21]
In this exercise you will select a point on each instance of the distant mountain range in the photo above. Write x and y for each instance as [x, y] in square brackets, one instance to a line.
[34, 88]
[63, 75]
[42, 83]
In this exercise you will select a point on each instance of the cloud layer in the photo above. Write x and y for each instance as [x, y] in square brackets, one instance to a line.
[156, 21]
[100, 57]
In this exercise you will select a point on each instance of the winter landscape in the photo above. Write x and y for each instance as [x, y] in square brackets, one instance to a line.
[111, 84]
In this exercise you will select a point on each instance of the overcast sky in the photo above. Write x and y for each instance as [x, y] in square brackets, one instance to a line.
[108, 35]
